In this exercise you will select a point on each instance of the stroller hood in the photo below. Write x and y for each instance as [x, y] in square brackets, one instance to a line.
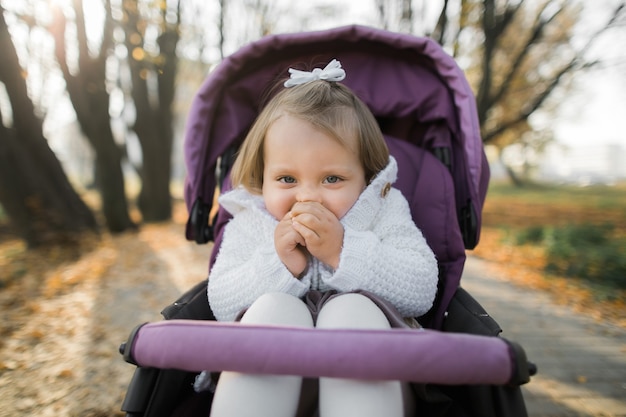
[416, 91]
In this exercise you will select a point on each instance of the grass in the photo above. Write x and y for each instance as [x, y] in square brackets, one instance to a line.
[570, 241]
[534, 205]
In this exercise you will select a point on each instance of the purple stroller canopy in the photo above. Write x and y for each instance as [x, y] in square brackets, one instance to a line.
[416, 91]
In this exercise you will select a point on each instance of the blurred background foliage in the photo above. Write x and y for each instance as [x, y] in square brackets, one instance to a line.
[94, 93]
[562, 231]
[585, 251]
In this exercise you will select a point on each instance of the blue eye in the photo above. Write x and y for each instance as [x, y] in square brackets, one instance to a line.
[332, 179]
[287, 179]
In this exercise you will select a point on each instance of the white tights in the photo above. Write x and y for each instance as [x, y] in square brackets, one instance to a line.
[243, 395]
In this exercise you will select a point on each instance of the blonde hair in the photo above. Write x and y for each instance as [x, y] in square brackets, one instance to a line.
[330, 107]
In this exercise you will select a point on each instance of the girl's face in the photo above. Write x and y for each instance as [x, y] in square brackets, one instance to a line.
[303, 164]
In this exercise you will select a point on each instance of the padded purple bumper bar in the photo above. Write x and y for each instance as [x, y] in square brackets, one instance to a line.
[424, 356]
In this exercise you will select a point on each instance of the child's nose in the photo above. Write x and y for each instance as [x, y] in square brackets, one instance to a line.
[309, 193]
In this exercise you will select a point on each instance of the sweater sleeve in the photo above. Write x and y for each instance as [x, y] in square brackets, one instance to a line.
[390, 259]
[247, 266]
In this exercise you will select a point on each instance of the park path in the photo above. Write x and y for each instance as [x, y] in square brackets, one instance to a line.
[582, 362]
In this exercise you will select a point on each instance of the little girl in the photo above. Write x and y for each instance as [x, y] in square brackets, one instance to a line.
[318, 238]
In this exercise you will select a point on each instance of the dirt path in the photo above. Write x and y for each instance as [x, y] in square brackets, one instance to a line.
[59, 354]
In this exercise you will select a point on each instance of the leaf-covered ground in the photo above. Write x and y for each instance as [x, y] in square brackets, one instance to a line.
[65, 312]
[505, 214]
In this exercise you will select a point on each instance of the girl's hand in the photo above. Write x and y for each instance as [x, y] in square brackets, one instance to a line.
[290, 246]
[321, 230]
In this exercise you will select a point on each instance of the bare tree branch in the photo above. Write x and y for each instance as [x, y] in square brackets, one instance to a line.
[107, 32]
[439, 33]
[576, 63]
[516, 66]
[530, 108]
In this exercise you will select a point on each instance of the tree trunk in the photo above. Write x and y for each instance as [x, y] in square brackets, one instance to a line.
[90, 100]
[510, 172]
[109, 176]
[43, 207]
[154, 130]
[153, 124]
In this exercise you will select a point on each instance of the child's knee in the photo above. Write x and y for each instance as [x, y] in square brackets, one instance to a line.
[352, 310]
[278, 308]
[345, 397]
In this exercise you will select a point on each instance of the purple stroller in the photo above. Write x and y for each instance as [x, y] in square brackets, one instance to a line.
[427, 113]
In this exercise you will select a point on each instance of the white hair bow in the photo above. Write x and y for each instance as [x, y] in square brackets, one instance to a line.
[332, 72]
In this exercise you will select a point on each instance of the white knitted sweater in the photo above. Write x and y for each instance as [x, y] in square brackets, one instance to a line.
[383, 252]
